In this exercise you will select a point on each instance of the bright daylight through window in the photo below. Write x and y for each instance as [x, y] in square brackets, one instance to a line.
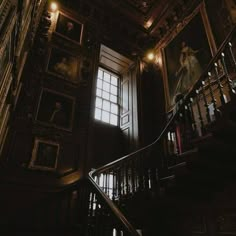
[106, 105]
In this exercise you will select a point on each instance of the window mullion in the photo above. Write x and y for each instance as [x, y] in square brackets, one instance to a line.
[108, 92]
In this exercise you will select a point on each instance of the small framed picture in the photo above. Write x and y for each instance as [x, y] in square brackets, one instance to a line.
[69, 28]
[63, 65]
[44, 155]
[55, 109]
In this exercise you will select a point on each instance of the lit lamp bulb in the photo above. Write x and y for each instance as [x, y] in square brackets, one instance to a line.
[53, 6]
[150, 56]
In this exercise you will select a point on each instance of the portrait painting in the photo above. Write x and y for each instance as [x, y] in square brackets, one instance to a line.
[69, 28]
[55, 109]
[44, 155]
[63, 64]
[186, 55]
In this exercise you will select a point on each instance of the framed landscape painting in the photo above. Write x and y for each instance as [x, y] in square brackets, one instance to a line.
[186, 55]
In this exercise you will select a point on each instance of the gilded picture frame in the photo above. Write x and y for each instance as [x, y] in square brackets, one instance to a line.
[69, 28]
[63, 65]
[185, 54]
[55, 110]
[44, 155]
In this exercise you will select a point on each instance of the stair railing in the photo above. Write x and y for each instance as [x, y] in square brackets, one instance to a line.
[143, 169]
[98, 215]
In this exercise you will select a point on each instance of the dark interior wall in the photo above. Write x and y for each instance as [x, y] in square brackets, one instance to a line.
[152, 104]
[106, 144]
[220, 19]
[26, 128]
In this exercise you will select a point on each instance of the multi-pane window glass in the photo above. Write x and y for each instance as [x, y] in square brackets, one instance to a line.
[106, 104]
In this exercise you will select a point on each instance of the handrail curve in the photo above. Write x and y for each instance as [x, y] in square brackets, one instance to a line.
[120, 216]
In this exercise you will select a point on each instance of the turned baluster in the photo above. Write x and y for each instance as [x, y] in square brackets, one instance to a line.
[187, 130]
[213, 100]
[132, 176]
[114, 186]
[190, 105]
[92, 212]
[140, 173]
[205, 102]
[156, 177]
[104, 182]
[137, 180]
[232, 54]
[144, 180]
[127, 178]
[108, 184]
[219, 85]
[118, 181]
[89, 204]
[121, 181]
[229, 81]
[199, 111]
[150, 180]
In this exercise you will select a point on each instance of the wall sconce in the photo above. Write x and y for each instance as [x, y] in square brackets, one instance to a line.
[53, 6]
[150, 56]
[153, 57]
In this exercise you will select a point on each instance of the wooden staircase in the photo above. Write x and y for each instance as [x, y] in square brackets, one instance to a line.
[181, 184]
[186, 172]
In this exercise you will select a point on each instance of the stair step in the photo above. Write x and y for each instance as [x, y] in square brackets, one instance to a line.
[179, 160]
[177, 166]
[212, 147]
[229, 110]
[223, 128]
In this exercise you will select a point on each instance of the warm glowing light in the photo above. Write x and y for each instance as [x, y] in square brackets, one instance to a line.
[158, 60]
[150, 56]
[148, 24]
[53, 6]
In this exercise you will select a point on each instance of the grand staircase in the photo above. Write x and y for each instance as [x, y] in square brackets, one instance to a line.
[181, 184]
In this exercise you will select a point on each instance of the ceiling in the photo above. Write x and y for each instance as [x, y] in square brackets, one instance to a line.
[129, 26]
[142, 12]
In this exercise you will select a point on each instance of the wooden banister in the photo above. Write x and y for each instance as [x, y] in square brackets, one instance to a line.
[175, 114]
[112, 207]
[142, 170]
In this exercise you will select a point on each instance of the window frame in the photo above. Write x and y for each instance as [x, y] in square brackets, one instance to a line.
[117, 103]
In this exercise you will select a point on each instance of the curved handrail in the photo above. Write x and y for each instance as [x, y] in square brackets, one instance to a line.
[113, 208]
[180, 106]
[130, 155]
